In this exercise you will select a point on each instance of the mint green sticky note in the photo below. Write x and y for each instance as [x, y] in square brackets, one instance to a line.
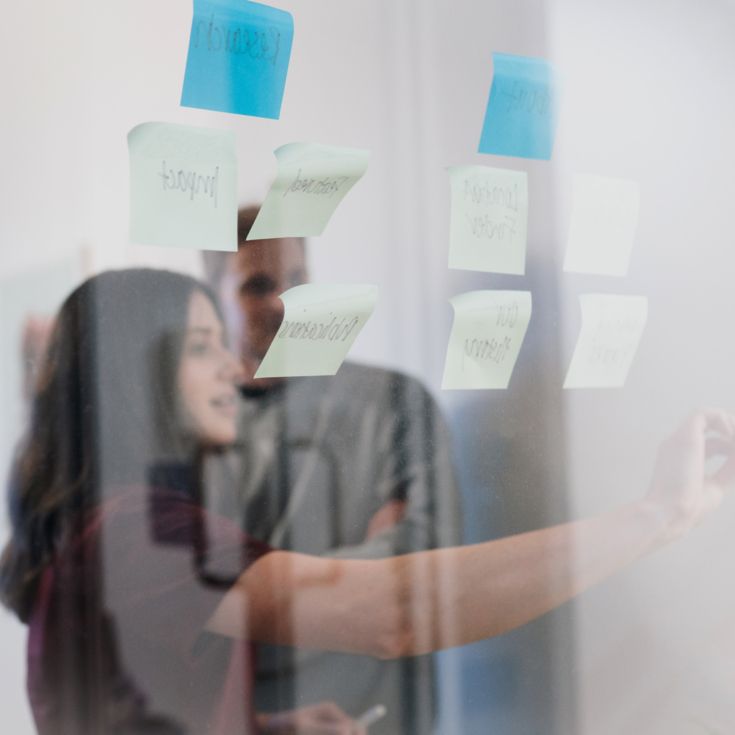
[489, 219]
[183, 187]
[312, 180]
[612, 327]
[603, 225]
[320, 324]
[486, 338]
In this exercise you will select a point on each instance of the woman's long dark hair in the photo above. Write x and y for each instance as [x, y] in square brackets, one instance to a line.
[103, 414]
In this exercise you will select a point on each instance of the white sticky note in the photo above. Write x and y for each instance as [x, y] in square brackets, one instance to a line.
[183, 187]
[612, 327]
[489, 219]
[312, 180]
[603, 225]
[319, 326]
[486, 338]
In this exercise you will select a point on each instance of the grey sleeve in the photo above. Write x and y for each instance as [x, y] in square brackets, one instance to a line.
[413, 461]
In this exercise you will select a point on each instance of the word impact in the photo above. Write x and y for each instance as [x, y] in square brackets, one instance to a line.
[333, 331]
[190, 182]
[242, 41]
[319, 187]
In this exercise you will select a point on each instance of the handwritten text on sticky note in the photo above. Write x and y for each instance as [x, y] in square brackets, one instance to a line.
[319, 326]
[238, 58]
[489, 219]
[183, 185]
[612, 327]
[522, 109]
[603, 226]
[312, 180]
[486, 338]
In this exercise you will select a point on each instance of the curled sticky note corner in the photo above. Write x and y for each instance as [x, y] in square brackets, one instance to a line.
[612, 328]
[311, 182]
[486, 339]
[320, 325]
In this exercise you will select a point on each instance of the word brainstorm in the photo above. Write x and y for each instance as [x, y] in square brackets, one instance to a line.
[319, 331]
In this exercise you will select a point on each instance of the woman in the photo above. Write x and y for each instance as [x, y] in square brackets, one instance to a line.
[141, 605]
[108, 542]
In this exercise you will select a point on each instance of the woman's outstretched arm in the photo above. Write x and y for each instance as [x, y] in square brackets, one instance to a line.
[422, 602]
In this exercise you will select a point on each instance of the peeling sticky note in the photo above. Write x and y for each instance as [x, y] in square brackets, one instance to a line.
[522, 109]
[489, 219]
[183, 187]
[239, 52]
[312, 180]
[486, 338]
[603, 225]
[320, 324]
[612, 327]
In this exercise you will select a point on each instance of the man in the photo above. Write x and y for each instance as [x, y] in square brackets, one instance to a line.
[356, 466]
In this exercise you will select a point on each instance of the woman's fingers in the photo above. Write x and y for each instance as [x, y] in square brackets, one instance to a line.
[683, 485]
[703, 423]
[325, 718]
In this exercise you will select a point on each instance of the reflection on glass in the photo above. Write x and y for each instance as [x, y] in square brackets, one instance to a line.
[352, 466]
[143, 605]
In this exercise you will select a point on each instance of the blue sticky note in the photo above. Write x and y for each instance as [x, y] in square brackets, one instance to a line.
[238, 58]
[521, 113]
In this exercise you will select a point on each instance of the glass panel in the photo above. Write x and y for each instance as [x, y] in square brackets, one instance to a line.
[409, 545]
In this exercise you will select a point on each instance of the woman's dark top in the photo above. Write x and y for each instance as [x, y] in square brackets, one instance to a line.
[117, 640]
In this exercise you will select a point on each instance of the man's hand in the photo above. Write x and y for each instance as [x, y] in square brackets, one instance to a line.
[387, 516]
[683, 488]
[325, 718]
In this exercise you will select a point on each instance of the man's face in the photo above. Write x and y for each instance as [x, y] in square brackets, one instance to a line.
[254, 278]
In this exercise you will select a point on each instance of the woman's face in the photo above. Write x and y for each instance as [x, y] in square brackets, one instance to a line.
[207, 376]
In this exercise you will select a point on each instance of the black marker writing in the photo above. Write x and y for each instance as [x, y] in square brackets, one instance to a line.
[327, 186]
[485, 227]
[190, 182]
[492, 350]
[319, 331]
[608, 356]
[483, 193]
[507, 316]
[257, 44]
[529, 99]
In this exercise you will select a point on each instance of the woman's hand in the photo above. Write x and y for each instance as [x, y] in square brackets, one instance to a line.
[387, 517]
[683, 489]
[325, 718]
